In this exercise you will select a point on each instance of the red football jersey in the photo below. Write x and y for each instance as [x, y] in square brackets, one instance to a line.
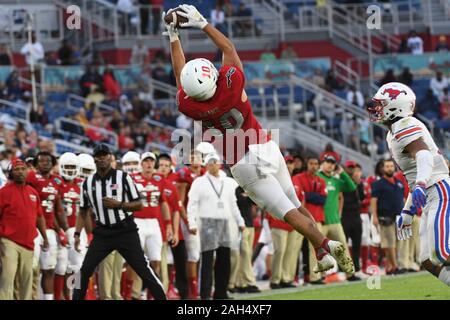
[186, 175]
[70, 197]
[49, 193]
[173, 200]
[152, 195]
[225, 113]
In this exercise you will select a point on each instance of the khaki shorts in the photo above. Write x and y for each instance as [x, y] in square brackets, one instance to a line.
[388, 235]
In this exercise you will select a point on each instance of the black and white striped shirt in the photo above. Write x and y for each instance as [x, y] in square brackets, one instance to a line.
[117, 185]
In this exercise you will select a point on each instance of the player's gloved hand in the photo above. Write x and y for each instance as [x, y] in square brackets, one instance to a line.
[419, 195]
[171, 30]
[404, 221]
[63, 238]
[195, 18]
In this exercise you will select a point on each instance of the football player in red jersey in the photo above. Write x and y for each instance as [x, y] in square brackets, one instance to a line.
[48, 186]
[185, 177]
[178, 246]
[70, 196]
[151, 188]
[218, 99]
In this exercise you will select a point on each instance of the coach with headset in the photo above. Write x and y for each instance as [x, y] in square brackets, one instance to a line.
[20, 212]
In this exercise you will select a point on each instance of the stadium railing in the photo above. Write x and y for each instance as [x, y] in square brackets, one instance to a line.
[16, 110]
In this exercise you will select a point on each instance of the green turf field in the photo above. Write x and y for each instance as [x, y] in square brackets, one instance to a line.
[418, 286]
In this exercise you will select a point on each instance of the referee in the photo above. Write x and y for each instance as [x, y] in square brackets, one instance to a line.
[112, 196]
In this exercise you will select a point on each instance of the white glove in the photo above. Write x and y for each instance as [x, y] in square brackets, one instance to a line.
[404, 221]
[171, 30]
[195, 18]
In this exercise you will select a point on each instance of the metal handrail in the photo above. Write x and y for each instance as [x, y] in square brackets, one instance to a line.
[17, 106]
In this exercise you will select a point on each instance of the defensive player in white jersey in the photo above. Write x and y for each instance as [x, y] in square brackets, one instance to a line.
[130, 162]
[426, 171]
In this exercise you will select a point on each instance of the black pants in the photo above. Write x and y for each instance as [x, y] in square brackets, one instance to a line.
[222, 268]
[125, 240]
[353, 230]
[180, 258]
[144, 14]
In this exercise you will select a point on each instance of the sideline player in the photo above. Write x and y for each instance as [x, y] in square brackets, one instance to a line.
[426, 171]
[218, 99]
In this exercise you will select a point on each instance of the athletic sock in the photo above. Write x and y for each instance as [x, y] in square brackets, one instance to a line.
[48, 296]
[58, 286]
[322, 250]
[444, 275]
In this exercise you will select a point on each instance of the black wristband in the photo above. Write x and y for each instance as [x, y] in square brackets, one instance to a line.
[76, 234]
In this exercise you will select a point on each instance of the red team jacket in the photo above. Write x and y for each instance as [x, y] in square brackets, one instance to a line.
[225, 110]
[19, 208]
[49, 193]
[70, 197]
[312, 183]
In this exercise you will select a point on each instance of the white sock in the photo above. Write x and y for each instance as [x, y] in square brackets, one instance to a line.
[444, 275]
[48, 296]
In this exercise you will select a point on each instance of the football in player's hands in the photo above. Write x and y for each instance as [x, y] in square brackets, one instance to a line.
[173, 16]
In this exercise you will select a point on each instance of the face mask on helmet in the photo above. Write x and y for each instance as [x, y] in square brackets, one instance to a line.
[130, 161]
[199, 79]
[393, 100]
[87, 165]
[68, 166]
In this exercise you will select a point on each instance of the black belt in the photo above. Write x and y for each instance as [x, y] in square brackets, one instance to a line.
[118, 225]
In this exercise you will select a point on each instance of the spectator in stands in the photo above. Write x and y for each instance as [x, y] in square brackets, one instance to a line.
[444, 110]
[288, 52]
[89, 78]
[244, 24]
[34, 52]
[95, 96]
[267, 54]
[157, 8]
[406, 77]
[429, 105]
[51, 59]
[65, 53]
[217, 18]
[438, 83]
[331, 82]
[415, 43]
[127, 9]
[139, 54]
[110, 85]
[40, 115]
[386, 203]
[13, 89]
[144, 14]
[403, 47]
[125, 104]
[160, 73]
[329, 149]
[6, 58]
[124, 140]
[81, 117]
[183, 122]
[318, 79]
[167, 117]
[116, 121]
[351, 219]
[355, 97]
[442, 45]
[388, 77]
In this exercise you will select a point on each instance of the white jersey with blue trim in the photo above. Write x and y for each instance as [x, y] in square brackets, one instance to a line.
[402, 133]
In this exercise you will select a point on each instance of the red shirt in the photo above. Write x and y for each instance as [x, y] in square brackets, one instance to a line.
[70, 197]
[173, 200]
[312, 183]
[225, 111]
[152, 195]
[49, 193]
[186, 175]
[19, 209]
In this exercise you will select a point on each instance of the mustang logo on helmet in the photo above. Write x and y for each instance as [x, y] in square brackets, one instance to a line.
[393, 93]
